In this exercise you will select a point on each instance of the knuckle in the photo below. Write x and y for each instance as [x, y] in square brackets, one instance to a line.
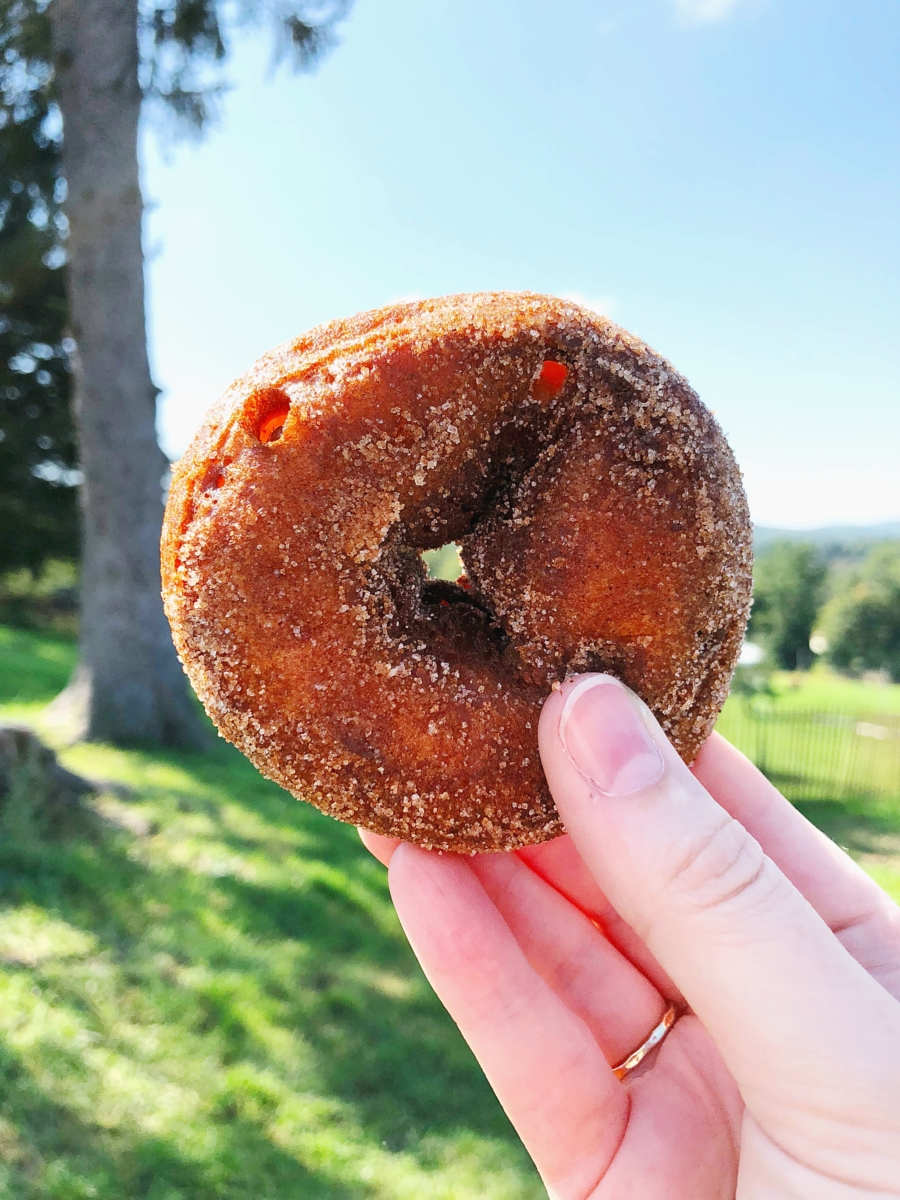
[723, 867]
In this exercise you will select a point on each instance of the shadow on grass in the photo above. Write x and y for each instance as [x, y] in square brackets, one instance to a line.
[204, 995]
[49, 1152]
[241, 1016]
[860, 825]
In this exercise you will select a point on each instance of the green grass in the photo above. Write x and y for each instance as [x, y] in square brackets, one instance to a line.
[823, 690]
[204, 993]
[807, 739]
[32, 670]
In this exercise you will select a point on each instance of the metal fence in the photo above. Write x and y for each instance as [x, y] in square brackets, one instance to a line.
[818, 755]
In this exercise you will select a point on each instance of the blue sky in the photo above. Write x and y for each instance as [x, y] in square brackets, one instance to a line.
[722, 177]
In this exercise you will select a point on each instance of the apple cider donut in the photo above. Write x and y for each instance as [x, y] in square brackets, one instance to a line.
[601, 521]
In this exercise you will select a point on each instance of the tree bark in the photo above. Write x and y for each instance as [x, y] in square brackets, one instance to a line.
[129, 688]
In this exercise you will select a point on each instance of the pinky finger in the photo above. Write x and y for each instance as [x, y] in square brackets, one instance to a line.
[540, 1058]
[378, 845]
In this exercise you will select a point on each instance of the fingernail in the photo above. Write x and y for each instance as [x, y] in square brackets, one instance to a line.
[604, 734]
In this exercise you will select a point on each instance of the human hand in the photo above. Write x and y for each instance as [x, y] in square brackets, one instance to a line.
[705, 888]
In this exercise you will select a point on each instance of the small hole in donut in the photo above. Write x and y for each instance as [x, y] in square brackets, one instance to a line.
[550, 380]
[214, 478]
[272, 428]
[268, 415]
[444, 563]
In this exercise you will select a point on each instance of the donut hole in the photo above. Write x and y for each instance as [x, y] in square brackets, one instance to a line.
[447, 599]
[460, 624]
[448, 619]
[266, 414]
[444, 563]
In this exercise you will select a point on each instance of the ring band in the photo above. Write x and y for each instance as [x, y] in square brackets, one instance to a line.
[655, 1036]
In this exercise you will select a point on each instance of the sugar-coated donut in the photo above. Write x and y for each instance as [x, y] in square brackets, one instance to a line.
[602, 523]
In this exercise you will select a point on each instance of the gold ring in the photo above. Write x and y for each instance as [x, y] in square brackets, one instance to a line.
[655, 1036]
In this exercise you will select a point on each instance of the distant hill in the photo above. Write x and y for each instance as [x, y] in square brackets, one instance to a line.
[828, 536]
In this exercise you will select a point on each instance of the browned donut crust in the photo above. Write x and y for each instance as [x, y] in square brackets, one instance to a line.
[603, 528]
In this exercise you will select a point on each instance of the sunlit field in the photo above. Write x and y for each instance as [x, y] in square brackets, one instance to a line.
[832, 745]
[204, 992]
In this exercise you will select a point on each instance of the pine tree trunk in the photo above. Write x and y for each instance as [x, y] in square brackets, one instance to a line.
[129, 687]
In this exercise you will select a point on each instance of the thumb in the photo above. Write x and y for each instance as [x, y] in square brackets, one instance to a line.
[759, 967]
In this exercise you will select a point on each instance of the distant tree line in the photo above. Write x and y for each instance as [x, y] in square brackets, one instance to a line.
[843, 599]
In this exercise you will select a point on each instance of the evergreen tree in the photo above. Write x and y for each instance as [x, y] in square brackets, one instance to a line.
[106, 58]
[38, 502]
[787, 591]
[861, 622]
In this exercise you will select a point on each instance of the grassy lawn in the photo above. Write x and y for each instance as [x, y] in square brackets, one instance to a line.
[801, 756]
[821, 689]
[204, 993]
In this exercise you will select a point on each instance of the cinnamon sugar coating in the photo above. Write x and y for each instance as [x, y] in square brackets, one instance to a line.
[603, 528]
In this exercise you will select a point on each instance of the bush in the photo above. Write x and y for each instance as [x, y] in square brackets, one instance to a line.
[45, 601]
[861, 622]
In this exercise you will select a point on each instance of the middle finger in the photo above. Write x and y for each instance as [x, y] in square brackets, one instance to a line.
[560, 866]
[566, 948]
[615, 1000]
